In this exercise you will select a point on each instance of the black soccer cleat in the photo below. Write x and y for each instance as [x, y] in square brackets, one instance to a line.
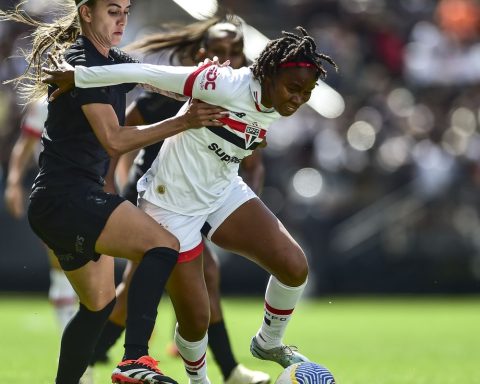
[144, 370]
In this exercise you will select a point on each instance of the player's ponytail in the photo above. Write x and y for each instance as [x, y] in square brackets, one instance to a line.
[51, 37]
[185, 41]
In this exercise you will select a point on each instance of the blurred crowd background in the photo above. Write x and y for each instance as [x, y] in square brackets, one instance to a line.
[385, 197]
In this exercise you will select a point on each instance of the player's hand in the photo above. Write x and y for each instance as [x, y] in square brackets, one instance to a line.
[200, 114]
[14, 200]
[214, 62]
[62, 75]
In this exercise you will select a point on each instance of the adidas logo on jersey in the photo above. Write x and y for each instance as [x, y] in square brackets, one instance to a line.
[240, 115]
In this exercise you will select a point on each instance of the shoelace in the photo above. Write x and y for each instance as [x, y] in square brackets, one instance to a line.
[145, 361]
[289, 349]
[151, 363]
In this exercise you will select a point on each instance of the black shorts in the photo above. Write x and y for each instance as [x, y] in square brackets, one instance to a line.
[71, 223]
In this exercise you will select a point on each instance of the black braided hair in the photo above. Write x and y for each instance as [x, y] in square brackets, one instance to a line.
[290, 48]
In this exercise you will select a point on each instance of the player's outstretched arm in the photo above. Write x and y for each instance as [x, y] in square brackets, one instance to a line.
[166, 78]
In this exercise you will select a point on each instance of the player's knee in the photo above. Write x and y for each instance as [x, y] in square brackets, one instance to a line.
[169, 241]
[162, 240]
[197, 327]
[100, 303]
[294, 272]
[193, 326]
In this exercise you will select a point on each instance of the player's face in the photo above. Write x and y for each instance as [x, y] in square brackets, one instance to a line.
[289, 89]
[226, 49]
[108, 19]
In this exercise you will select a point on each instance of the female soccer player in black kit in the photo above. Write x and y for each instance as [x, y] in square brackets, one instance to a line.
[69, 209]
[214, 37]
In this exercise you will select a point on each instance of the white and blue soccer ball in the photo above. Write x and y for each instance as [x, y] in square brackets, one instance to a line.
[305, 373]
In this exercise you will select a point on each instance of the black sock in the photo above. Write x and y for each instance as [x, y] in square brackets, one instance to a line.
[109, 336]
[144, 294]
[220, 346]
[78, 341]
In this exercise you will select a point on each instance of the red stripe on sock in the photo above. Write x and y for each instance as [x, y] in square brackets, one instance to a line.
[195, 363]
[276, 311]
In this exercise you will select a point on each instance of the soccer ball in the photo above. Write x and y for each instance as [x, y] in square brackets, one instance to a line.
[305, 373]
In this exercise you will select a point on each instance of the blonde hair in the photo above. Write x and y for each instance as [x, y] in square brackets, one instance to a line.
[53, 37]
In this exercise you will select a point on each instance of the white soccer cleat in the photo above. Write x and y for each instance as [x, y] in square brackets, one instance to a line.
[243, 375]
[285, 355]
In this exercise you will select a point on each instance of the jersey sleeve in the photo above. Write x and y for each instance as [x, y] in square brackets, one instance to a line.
[209, 83]
[94, 95]
[34, 120]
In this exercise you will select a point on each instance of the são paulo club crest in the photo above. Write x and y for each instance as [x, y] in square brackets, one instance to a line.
[252, 132]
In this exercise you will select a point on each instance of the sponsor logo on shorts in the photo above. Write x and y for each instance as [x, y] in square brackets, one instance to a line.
[223, 155]
[64, 257]
[79, 242]
[99, 200]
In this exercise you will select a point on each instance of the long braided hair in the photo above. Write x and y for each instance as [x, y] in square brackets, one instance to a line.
[290, 48]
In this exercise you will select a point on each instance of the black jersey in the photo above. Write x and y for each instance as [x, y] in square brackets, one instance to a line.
[154, 107]
[71, 152]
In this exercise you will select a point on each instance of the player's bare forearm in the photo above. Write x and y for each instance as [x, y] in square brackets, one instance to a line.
[119, 140]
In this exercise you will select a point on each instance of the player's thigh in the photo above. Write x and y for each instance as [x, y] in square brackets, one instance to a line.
[130, 232]
[211, 267]
[253, 231]
[94, 283]
[188, 292]
[53, 259]
[211, 271]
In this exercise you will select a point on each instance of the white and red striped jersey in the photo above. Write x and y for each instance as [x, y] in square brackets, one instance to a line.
[194, 170]
[34, 120]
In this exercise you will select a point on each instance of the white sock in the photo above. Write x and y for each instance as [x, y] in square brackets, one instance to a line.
[280, 301]
[62, 296]
[194, 355]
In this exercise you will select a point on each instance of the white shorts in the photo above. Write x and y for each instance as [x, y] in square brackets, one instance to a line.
[188, 229]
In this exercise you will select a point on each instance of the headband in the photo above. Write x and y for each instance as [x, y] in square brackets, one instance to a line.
[81, 3]
[296, 64]
[222, 30]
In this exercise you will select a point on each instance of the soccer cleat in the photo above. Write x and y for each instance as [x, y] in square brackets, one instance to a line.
[141, 371]
[243, 375]
[284, 355]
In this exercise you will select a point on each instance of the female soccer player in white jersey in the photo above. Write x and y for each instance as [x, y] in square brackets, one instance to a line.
[193, 185]
[187, 45]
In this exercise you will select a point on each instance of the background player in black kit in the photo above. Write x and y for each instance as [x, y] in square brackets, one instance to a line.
[186, 46]
[69, 209]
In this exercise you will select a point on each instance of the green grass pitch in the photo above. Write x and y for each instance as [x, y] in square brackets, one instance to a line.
[433, 340]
